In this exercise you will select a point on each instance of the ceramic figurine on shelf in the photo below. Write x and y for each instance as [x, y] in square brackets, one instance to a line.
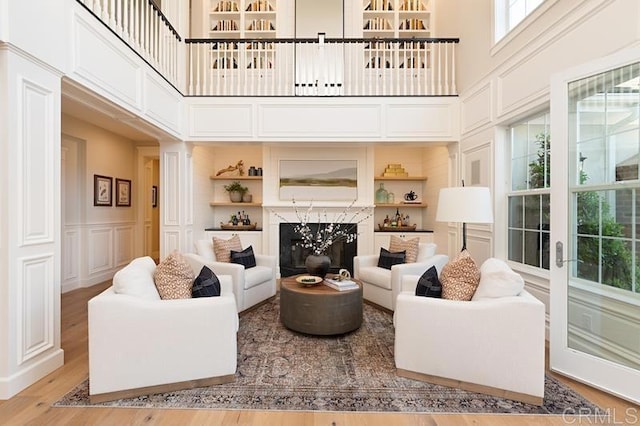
[410, 196]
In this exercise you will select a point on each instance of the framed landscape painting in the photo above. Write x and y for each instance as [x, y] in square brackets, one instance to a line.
[318, 179]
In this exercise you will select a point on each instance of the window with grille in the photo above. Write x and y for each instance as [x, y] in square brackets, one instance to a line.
[529, 195]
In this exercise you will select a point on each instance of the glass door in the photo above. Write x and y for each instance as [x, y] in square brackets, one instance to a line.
[595, 202]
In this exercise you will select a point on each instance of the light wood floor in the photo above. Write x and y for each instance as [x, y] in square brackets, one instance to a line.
[33, 405]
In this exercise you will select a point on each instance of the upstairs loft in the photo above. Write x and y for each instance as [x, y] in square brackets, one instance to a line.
[244, 57]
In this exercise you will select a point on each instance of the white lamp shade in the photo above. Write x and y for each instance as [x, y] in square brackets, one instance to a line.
[469, 204]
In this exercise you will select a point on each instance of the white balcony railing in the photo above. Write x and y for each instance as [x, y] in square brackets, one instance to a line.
[141, 25]
[318, 67]
[281, 67]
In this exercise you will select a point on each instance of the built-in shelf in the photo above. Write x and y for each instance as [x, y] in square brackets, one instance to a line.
[230, 204]
[232, 230]
[403, 205]
[391, 230]
[402, 178]
[396, 19]
[237, 20]
[244, 177]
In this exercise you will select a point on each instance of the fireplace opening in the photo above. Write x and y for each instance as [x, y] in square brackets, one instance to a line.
[293, 255]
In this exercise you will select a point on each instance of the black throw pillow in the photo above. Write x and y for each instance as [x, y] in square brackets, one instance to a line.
[429, 284]
[244, 257]
[206, 284]
[387, 259]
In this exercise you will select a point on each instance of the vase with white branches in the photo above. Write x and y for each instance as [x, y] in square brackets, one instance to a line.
[330, 230]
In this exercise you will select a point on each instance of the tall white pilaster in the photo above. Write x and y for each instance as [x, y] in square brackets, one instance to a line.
[176, 195]
[29, 221]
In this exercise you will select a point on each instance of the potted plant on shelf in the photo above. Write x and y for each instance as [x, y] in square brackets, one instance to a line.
[236, 191]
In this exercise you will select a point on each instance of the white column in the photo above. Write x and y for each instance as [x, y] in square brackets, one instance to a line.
[30, 221]
[176, 197]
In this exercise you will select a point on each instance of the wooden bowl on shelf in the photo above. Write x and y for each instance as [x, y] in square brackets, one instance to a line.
[397, 228]
[227, 226]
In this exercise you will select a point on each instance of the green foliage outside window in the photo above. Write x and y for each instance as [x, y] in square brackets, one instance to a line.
[540, 170]
[596, 225]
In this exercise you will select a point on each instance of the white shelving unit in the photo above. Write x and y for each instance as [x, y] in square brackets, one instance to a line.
[236, 20]
[396, 19]
[223, 208]
[400, 186]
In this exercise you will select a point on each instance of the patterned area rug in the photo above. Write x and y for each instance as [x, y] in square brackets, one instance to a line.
[282, 370]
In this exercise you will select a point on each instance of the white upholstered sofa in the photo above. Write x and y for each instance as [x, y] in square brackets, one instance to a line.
[493, 345]
[250, 286]
[139, 344]
[382, 286]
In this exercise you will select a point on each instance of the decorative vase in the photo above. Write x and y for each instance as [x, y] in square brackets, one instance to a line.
[235, 196]
[317, 265]
[381, 195]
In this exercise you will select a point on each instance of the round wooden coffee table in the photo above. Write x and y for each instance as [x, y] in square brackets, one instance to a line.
[319, 310]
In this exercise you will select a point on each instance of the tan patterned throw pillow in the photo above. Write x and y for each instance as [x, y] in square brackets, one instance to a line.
[222, 248]
[460, 278]
[410, 247]
[174, 277]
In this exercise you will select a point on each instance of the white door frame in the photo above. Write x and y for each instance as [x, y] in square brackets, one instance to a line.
[597, 372]
[144, 153]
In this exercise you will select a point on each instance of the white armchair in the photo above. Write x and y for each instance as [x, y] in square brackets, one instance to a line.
[139, 344]
[250, 286]
[382, 286]
[491, 345]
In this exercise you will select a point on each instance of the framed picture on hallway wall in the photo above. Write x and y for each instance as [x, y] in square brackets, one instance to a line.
[123, 192]
[102, 186]
[154, 196]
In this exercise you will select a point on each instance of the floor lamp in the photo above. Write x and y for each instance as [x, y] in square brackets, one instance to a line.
[466, 204]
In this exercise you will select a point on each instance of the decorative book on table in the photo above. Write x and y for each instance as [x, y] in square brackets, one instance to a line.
[341, 285]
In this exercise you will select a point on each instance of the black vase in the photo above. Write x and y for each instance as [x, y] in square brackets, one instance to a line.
[317, 265]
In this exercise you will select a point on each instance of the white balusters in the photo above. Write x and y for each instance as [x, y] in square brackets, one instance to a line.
[420, 67]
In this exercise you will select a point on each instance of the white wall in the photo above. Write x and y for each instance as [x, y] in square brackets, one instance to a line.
[499, 84]
[104, 239]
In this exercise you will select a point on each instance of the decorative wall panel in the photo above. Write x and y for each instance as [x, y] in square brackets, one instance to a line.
[36, 189]
[476, 109]
[105, 65]
[100, 250]
[171, 188]
[36, 306]
[225, 120]
[171, 242]
[188, 190]
[71, 255]
[317, 121]
[420, 121]
[163, 104]
[123, 244]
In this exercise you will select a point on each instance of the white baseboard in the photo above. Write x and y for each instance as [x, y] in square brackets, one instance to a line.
[12, 385]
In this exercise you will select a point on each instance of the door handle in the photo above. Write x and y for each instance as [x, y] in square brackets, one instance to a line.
[559, 256]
